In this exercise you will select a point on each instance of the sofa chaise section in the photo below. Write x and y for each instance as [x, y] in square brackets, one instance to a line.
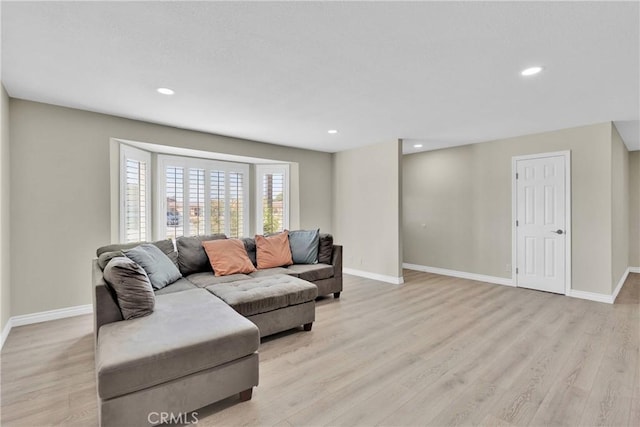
[191, 351]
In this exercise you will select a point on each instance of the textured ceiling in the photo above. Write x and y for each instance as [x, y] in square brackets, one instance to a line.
[444, 73]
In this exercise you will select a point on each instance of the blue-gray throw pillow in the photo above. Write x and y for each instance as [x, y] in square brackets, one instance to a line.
[158, 266]
[304, 246]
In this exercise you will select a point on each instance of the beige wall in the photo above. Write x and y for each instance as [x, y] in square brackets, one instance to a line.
[462, 196]
[619, 208]
[5, 277]
[60, 195]
[367, 197]
[634, 209]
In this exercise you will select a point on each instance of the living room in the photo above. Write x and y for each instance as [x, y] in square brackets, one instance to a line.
[401, 135]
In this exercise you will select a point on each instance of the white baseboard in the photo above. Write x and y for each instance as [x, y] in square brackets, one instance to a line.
[591, 296]
[460, 274]
[5, 333]
[375, 276]
[609, 299]
[620, 283]
[44, 316]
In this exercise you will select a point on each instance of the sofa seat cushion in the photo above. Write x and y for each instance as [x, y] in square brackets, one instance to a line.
[312, 272]
[263, 294]
[178, 286]
[202, 280]
[266, 272]
[188, 332]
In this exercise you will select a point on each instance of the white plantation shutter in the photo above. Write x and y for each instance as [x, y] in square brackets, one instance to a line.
[196, 202]
[174, 199]
[135, 194]
[236, 204]
[217, 202]
[213, 196]
[272, 198]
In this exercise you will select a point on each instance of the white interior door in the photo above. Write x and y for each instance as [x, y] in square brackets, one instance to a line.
[541, 223]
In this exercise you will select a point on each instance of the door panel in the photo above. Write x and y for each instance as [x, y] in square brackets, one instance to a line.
[540, 212]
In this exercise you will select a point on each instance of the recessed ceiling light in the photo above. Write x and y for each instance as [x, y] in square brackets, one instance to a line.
[531, 71]
[165, 91]
[332, 131]
[417, 145]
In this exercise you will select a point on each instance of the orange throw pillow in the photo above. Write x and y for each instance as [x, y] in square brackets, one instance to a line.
[273, 251]
[228, 256]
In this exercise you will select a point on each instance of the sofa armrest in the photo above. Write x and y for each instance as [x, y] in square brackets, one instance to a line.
[105, 307]
[336, 260]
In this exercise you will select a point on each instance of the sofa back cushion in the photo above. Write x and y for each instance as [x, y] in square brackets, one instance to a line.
[325, 248]
[132, 287]
[273, 251]
[304, 246]
[156, 264]
[191, 255]
[228, 256]
[105, 253]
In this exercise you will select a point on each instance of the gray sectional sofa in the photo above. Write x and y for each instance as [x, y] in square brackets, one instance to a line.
[200, 343]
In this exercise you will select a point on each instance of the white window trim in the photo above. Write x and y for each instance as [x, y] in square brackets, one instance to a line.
[266, 169]
[128, 152]
[160, 225]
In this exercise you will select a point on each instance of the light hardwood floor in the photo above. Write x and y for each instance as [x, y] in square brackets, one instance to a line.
[434, 351]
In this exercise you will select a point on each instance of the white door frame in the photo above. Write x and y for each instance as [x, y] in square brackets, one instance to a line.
[567, 212]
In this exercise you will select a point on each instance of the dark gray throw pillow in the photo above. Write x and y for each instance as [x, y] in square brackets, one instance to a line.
[132, 287]
[191, 255]
[325, 248]
[304, 246]
[250, 247]
[105, 257]
[160, 269]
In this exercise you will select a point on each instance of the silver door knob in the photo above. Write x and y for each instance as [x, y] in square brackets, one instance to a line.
[558, 232]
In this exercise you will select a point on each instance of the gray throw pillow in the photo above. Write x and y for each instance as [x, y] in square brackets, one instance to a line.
[132, 287]
[304, 246]
[325, 249]
[160, 269]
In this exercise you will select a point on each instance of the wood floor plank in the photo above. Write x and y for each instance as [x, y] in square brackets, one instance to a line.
[525, 396]
[611, 396]
[434, 351]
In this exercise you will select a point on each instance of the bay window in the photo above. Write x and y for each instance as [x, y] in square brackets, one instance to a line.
[201, 196]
